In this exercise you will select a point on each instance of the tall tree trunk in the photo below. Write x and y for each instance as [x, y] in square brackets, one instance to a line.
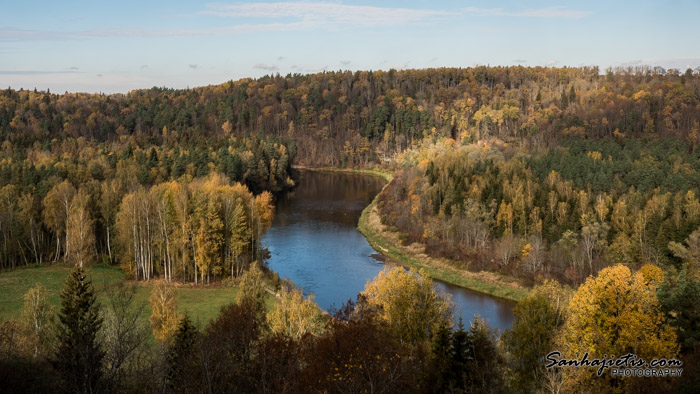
[109, 247]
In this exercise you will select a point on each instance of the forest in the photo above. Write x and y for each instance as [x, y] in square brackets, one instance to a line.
[582, 184]
[551, 122]
[565, 213]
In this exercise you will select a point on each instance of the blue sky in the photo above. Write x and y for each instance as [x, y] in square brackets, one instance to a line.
[116, 46]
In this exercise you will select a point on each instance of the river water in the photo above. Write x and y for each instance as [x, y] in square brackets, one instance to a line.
[314, 242]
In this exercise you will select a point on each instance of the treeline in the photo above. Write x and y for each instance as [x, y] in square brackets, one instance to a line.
[346, 118]
[60, 200]
[398, 336]
[565, 213]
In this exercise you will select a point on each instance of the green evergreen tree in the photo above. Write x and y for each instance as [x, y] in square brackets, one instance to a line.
[79, 354]
[679, 299]
[178, 357]
[441, 348]
[485, 361]
[564, 100]
[572, 95]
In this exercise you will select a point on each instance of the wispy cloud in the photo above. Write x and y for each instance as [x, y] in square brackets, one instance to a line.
[280, 58]
[193, 66]
[14, 34]
[17, 35]
[214, 31]
[266, 67]
[681, 63]
[548, 12]
[38, 72]
[552, 63]
[255, 17]
[345, 62]
[143, 67]
[520, 61]
[322, 13]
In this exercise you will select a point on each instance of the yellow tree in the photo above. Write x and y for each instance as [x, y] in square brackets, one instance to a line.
[236, 228]
[265, 210]
[164, 318]
[296, 316]
[239, 235]
[616, 313]
[178, 200]
[262, 213]
[80, 234]
[227, 127]
[505, 217]
[38, 319]
[209, 238]
[409, 303]
[252, 285]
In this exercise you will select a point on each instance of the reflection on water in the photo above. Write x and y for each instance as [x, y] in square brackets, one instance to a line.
[314, 242]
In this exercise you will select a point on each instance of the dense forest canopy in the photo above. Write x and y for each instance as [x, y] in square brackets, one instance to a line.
[346, 117]
[592, 136]
[252, 131]
[589, 202]
[589, 178]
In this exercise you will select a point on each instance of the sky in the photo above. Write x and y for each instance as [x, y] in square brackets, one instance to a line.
[116, 46]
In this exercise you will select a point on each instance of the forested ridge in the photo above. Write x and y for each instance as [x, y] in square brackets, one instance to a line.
[346, 117]
[588, 178]
[251, 131]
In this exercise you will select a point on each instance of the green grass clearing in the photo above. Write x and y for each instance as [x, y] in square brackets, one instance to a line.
[202, 304]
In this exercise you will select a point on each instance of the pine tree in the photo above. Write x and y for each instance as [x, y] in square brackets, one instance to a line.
[79, 354]
[461, 355]
[572, 95]
[179, 352]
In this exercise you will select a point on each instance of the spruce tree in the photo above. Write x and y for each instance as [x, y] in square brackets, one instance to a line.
[179, 356]
[79, 354]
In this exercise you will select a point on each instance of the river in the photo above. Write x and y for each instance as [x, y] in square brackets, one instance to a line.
[314, 242]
